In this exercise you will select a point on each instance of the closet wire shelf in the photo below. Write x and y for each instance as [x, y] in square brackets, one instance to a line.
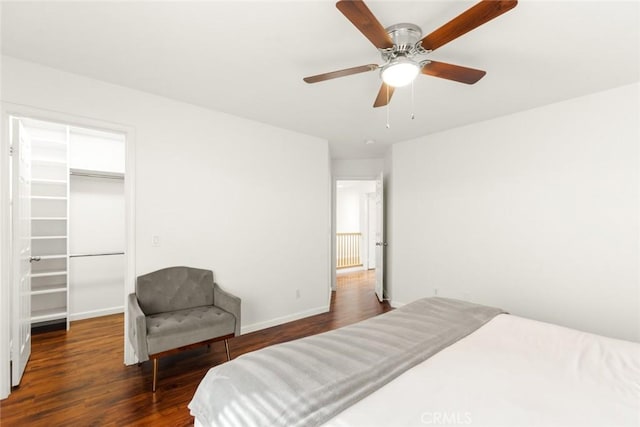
[103, 254]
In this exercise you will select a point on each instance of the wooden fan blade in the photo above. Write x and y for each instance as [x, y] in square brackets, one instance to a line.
[453, 72]
[359, 14]
[477, 15]
[384, 95]
[340, 73]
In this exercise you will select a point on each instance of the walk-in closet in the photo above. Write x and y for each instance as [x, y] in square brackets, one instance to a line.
[77, 220]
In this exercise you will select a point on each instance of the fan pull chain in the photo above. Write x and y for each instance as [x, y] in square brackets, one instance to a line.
[413, 109]
[388, 125]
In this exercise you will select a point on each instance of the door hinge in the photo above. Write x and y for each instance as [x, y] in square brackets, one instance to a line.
[11, 151]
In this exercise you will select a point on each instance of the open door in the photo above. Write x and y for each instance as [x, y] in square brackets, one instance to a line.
[21, 244]
[380, 243]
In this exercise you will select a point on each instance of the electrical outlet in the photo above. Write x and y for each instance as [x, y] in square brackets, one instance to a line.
[297, 293]
[435, 291]
[155, 240]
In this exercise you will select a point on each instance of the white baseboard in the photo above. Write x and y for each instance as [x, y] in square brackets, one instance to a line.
[284, 319]
[396, 304]
[95, 313]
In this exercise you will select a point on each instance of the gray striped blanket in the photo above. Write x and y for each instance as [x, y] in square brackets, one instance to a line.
[308, 381]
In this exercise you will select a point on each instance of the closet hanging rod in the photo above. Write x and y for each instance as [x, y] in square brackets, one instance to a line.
[96, 175]
[104, 254]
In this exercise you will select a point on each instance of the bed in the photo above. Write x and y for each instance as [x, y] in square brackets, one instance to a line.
[432, 362]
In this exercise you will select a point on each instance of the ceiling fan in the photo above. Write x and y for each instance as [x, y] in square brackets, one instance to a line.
[401, 45]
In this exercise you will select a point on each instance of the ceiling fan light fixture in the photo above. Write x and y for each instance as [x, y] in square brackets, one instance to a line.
[400, 71]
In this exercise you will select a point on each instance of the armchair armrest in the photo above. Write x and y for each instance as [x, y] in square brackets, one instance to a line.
[137, 328]
[227, 302]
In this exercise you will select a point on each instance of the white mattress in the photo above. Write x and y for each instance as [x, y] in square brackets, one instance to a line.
[512, 372]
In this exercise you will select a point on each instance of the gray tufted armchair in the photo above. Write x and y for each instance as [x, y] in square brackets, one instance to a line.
[177, 308]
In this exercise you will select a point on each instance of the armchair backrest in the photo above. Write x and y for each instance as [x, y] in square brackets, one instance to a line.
[174, 288]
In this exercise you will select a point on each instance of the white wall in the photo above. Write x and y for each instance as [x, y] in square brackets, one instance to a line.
[356, 168]
[347, 208]
[351, 199]
[96, 225]
[536, 212]
[247, 200]
[95, 150]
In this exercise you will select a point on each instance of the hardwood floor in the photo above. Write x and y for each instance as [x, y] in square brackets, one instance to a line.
[78, 377]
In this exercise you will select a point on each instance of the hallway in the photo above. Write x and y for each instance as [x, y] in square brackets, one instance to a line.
[355, 298]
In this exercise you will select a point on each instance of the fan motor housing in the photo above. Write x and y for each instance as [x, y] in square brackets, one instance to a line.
[404, 36]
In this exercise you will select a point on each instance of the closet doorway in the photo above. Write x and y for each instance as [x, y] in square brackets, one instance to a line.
[96, 223]
[68, 203]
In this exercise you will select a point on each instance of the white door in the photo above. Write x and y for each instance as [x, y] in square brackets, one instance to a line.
[380, 243]
[372, 225]
[21, 276]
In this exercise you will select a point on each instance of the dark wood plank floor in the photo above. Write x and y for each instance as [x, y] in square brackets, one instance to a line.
[77, 378]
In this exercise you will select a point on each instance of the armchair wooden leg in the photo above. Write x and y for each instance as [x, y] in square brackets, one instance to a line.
[155, 373]
[226, 346]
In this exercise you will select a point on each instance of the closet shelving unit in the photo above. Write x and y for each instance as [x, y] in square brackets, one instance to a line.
[49, 227]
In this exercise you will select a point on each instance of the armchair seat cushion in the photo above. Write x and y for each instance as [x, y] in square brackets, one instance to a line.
[174, 329]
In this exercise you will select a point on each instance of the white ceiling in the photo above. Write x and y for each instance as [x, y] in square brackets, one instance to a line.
[249, 58]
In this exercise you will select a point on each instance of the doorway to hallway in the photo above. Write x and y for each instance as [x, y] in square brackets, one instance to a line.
[355, 225]
[358, 224]
[355, 295]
